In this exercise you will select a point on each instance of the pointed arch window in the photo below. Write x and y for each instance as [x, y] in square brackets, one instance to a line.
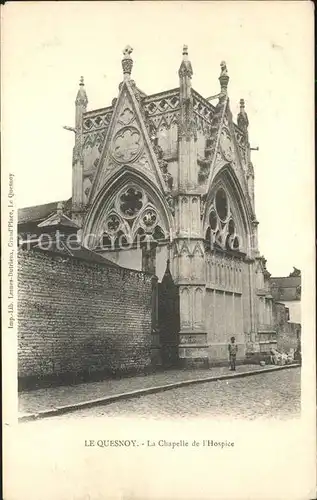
[222, 228]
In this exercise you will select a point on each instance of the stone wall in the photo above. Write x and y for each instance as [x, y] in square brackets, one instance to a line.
[77, 318]
[288, 333]
[227, 306]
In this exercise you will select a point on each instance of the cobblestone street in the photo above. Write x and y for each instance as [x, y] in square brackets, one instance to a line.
[268, 395]
[56, 451]
[49, 398]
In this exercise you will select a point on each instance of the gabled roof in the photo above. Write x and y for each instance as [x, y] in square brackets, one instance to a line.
[79, 252]
[60, 244]
[39, 213]
[57, 220]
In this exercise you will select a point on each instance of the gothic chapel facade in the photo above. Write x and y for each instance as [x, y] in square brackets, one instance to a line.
[164, 183]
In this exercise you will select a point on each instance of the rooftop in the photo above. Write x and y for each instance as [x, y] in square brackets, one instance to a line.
[79, 252]
[39, 213]
[286, 288]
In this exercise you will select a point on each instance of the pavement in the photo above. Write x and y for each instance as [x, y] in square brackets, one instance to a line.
[271, 395]
[48, 402]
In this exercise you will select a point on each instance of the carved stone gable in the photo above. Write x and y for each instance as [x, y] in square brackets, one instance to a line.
[126, 116]
[127, 144]
[226, 146]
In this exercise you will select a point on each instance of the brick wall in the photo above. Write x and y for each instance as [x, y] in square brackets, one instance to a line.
[77, 317]
[288, 333]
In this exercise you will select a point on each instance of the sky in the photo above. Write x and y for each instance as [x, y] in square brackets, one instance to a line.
[268, 48]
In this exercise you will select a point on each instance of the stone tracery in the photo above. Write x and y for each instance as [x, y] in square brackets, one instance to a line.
[126, 144]
[222, 229]
[131, 217]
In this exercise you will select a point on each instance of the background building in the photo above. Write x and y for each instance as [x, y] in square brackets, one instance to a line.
[287, 291]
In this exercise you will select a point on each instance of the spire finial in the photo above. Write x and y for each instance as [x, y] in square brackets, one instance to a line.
[81, 98]
[127, 62]
[242, 119]
[224, 77]
[185, 67]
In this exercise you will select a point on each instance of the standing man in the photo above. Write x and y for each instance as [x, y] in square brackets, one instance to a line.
[233, 349]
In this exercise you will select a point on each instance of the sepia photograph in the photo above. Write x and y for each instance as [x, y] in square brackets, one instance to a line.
[158, 225]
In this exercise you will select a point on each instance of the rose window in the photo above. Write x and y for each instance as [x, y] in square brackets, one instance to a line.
[131, 202]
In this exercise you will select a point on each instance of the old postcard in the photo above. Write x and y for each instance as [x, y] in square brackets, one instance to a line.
[158, 250]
